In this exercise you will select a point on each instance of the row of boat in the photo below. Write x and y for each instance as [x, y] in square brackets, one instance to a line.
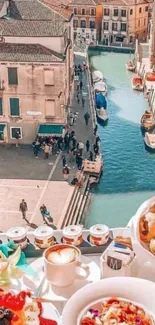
[100, 89]
[147, 120]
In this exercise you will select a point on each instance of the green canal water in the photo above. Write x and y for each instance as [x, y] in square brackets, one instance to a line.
[129, 170]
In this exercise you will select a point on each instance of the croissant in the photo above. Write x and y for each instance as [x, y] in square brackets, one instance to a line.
[146, 229]
[152, 209]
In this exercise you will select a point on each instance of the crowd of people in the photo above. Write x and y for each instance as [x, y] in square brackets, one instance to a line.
[73, 151]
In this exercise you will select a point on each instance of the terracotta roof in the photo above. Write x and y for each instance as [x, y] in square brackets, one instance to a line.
[123, 2]
[83, 3]
[65, 13]
[27, 53]
[32, 10]
[31, 28]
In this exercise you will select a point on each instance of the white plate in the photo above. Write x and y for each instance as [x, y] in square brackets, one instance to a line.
[56, 293]
[50, 312]
[137, 290]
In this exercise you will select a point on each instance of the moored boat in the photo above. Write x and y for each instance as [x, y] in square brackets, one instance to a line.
[130, 66]
[137, 83]
[97, 76]
[147, 121]
[101, 101]
[100, 87]
[102, 115]
[149, 140]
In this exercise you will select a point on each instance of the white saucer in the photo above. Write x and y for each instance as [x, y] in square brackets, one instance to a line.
[57, 293]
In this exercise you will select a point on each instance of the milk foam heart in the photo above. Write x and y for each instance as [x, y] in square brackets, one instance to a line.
[63, 256]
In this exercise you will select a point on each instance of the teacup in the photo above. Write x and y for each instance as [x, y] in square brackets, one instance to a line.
[61, 264]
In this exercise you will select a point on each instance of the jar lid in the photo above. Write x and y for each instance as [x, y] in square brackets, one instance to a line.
[72, 231]
[43, 232]
[99, 230]
[16, 233]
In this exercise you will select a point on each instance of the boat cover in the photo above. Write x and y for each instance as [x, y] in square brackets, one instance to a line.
[100, 86]
[101, 101]
[97, 76]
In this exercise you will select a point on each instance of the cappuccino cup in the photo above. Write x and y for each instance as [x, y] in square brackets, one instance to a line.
[61, 263]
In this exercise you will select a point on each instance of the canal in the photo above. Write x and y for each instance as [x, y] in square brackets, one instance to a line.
[129, 170]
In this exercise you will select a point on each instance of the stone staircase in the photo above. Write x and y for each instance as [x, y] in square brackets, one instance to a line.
[76, 207]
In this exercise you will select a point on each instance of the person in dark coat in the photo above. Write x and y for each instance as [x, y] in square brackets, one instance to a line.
[95, 130]
[63, 161]
[87, 145]
[86, 117]
[91, 156]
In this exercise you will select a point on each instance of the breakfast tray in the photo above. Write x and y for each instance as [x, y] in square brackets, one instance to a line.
[86, 247]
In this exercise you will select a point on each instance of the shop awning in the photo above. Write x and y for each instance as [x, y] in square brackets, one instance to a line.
[50, 129]
[2, 126]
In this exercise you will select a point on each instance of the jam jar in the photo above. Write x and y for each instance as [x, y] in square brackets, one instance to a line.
[44, 237]
[99, 235]
[72, 235]
[18, 235]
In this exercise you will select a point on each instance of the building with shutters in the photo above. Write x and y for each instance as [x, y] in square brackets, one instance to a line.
[124, 21]
[36, 69]
[84, 22]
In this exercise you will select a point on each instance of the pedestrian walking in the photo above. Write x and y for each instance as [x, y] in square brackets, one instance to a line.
[63, 161]
[78, 86]
[46, 151]
[86, 117]
[79, 161]
[59, 143]
[65, 172]
[17, 137]
[36, 147]
[81, 147]
[23, 208]
[83, 101]
[90, 156]
[71, 119]
[96, 149]
[44, 212]
[78, 99]
[81, 84]
[95, 130]
[87, 145]
[97, 142]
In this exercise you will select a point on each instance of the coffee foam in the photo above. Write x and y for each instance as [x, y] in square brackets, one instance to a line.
[63, 256]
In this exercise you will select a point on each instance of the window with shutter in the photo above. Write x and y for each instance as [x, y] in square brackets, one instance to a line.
[50, 108]
[1, 106]
[49, 77]
[12, 76]
[14, 107]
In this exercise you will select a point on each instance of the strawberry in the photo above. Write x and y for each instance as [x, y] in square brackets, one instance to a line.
[44, 321]
[40, 307]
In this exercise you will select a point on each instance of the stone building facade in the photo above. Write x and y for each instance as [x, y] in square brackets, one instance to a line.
[36, 69]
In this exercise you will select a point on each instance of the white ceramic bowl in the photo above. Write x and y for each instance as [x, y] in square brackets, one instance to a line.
[141, 249]
[137, 290]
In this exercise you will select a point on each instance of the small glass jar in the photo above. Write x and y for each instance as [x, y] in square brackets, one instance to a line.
[44, 237]
[18, 235]
[72, 235]
[99, 235]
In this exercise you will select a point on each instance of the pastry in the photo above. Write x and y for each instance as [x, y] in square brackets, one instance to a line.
[152, 208]
[126, 241]
[152, 246]
[144, 230]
